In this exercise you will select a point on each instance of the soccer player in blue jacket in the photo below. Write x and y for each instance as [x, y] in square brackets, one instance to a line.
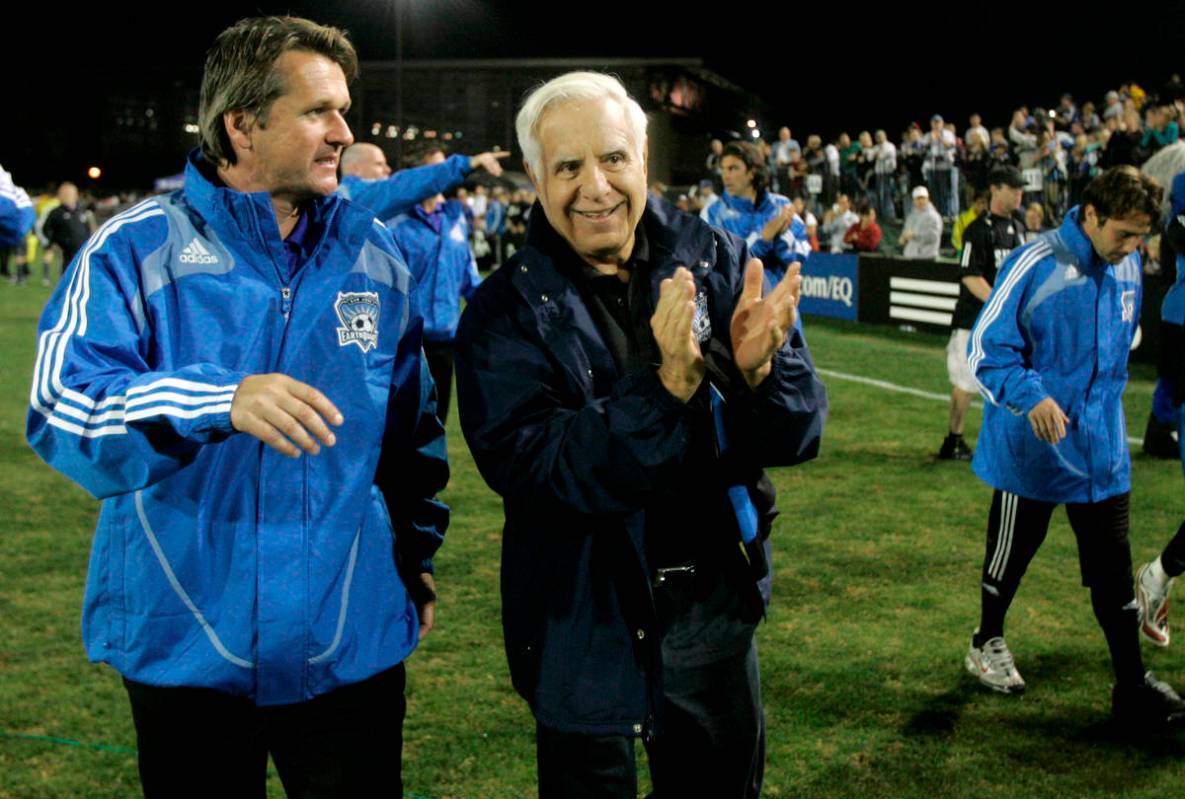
[1049, 352]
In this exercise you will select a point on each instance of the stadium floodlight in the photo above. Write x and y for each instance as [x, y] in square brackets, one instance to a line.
[94, 173]
[755, 133]
[752, 123]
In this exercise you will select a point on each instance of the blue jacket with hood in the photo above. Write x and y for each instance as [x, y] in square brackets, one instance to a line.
[1059, 323]
[217, 561]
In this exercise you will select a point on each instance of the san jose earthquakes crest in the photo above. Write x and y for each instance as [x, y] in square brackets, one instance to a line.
[701, 324]
[359, 315]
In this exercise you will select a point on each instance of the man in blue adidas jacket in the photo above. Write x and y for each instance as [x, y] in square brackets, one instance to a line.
[1049, 352]
[621, 383]
[235, 369]
[749, 210]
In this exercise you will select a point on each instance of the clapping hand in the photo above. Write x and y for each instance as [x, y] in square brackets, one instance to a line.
[760, 324]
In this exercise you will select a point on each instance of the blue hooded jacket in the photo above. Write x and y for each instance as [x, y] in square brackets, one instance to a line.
[1059, 323]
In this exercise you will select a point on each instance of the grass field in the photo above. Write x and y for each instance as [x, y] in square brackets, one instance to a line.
[878, 551]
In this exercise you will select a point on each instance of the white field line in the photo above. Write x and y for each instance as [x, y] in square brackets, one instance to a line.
[917, 392]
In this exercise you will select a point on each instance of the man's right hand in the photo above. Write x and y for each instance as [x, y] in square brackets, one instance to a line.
[279, 411]
[1049, 421]
[682, 367]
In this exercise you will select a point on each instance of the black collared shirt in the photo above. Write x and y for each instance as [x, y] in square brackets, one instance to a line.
[621, 308]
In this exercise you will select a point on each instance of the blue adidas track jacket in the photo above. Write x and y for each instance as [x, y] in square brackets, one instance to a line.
[741, 218]
[218, 562]
[16, 212]
[1059, 323]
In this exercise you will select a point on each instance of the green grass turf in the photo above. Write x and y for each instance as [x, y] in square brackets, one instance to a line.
[878, 551]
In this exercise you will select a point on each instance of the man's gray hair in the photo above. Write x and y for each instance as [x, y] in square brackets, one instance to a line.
[241, 72]
[574, 86]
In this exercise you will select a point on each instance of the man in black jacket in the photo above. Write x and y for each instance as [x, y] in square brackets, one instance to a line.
[69, 225]
[621, 383]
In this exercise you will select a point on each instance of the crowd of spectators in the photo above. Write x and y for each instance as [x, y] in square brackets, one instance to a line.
[1058, 151]
[842, 190]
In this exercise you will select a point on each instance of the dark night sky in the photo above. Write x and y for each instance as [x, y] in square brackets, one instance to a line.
[826, 68]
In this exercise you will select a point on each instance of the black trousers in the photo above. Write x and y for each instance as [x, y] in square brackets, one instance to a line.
[1017, 527]
[712, 741]
[197, 742]
[440, 364]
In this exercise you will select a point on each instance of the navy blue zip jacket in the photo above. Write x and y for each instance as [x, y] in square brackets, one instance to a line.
[577, 451]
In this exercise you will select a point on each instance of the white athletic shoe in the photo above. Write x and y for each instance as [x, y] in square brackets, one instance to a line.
[992, 663]
[1153, 600]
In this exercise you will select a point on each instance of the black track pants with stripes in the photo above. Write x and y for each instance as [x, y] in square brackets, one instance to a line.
[1016, 529]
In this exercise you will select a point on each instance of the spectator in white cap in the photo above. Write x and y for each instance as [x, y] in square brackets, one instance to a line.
[923, 227]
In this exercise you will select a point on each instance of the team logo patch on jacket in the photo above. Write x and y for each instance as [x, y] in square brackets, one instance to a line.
[359, 315]
[1128, 301]
[701, 324]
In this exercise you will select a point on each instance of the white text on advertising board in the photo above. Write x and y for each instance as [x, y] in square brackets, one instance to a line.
[831, 287]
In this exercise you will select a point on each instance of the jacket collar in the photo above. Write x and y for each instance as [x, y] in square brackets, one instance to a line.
[674, 239]
[1074, 239]
[743, 204]
[248, 216]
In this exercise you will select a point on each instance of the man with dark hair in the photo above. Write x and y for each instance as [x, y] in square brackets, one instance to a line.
[748, 209]
[1049, 353]
[864, 235]
[235, 369]
[986, 243]
[622, 382]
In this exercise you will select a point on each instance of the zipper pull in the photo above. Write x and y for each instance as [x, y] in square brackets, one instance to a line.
[285, 301]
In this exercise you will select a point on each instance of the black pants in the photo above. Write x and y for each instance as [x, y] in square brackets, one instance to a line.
[440, 364]
[1172, 559]
[713, 727]
[1016, 530]
[197, 742]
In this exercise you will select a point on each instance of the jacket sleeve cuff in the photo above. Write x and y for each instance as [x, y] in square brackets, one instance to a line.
[1031, 393]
